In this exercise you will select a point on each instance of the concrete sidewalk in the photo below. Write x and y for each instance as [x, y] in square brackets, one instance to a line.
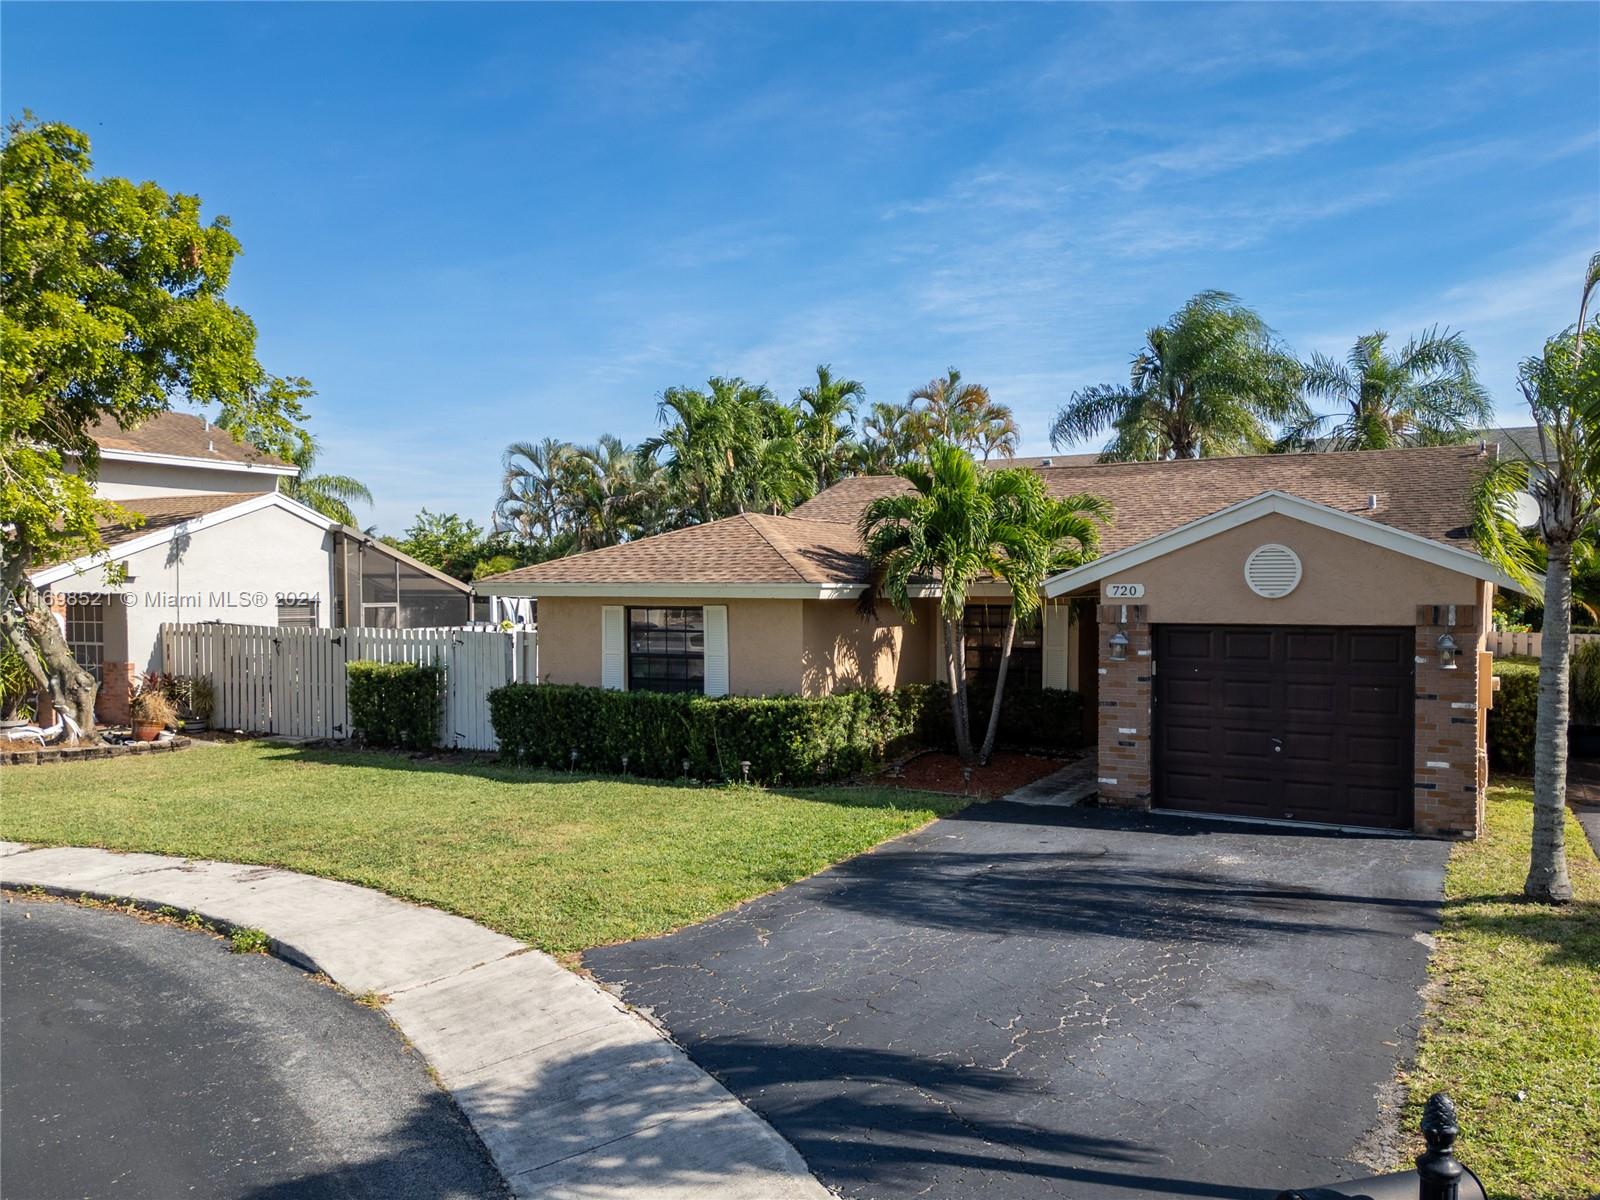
[574, 1094]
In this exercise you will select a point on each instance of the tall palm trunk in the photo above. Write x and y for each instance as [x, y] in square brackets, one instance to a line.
[999, 686]
[1547, 872]
[955, 649]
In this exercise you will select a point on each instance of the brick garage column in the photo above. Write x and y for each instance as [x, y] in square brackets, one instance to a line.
[1448, 791]
[1125, 690]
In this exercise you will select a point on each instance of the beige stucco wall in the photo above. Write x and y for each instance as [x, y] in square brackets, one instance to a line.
[764, 640]
[1343, 581]
[231, 572]
[775, 647]
[130, 480]
[843, 650]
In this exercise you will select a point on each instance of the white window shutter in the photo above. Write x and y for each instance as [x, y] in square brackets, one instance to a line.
[716, 617]
[1057, 636]
[613, 662]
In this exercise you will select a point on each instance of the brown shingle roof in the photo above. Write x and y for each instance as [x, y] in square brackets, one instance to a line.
[186, 435]
[1424, 491]
[751, 548]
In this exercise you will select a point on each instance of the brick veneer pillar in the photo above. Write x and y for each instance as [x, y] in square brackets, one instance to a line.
[1125, 691]
[116, 689]
[1450, 774]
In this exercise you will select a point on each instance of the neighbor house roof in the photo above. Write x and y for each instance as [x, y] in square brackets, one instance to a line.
[1426, 492]
[181, 435]
[168, 517]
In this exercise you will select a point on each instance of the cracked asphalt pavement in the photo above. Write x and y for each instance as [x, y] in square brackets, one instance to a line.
[1023, 1001]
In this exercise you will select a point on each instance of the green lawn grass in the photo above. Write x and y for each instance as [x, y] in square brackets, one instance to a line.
[564, 862]
[1515, 1012]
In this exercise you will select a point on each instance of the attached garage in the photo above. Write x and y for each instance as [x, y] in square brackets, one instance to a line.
[1286, 660]
[1298, 723]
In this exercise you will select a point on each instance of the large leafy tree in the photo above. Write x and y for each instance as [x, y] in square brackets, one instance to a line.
[827, 417]
[958, 524]
[1425, 393]
[447, 542]
[1562, 387]
[1210, 381]
[112, 305]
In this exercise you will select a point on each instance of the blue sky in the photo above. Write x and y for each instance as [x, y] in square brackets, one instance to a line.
[474, 224]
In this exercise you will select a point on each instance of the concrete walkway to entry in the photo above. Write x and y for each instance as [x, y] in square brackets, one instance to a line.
[574, 1094]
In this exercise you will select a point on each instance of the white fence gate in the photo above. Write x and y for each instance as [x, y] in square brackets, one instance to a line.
[292, 682]
[1529, 644]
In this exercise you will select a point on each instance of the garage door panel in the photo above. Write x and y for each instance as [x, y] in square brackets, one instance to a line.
[1247, 645]
[1302, 723]
[1382, 700]
[1311, 648]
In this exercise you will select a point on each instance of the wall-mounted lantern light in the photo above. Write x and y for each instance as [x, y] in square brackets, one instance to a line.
[1119, 646]
[1447, 652]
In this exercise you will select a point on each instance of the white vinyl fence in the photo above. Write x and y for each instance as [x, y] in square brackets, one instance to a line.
[1529, 644]
[292, 683]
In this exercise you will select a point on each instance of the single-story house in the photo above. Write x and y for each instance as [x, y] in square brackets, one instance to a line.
[220, 542]
[1293, 637]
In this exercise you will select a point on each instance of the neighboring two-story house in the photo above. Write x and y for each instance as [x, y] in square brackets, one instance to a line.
[220, 542]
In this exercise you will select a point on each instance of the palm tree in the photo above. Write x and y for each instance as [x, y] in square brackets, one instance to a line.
[330, 495]
[1562, 388]
[529, 500]
[937, 533]
[1427, 394]
[888, 440]
[770, 471]
[827, 414]
[964, 415]
[1033, 536]
[604, 493]
[698, 442]
[961, 522]
[1206, 383]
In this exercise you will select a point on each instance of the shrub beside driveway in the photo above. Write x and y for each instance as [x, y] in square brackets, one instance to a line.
[1514, 1020]
[561, 861]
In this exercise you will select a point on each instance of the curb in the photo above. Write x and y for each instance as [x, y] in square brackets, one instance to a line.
[574, 1094]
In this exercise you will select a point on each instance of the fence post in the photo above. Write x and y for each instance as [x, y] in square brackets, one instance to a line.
[1438, 1172]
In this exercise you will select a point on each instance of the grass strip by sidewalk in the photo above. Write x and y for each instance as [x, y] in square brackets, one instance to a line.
[1515, 1012]
[564, 862]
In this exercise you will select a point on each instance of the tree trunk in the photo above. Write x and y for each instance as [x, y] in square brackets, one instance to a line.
[999, 686]
[31, 628]
[955, 650]
[1547, 872]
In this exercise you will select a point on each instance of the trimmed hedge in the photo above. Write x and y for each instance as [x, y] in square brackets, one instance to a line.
[1511, 719]
[1046, 719]
[396, 704]
[785, 739]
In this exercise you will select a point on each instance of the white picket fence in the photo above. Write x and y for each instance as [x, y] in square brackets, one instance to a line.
[292, 682]
[1529, 644]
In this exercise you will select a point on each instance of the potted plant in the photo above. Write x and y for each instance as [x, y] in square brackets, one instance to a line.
[202, 702]
[149, 711]
[1583, 730]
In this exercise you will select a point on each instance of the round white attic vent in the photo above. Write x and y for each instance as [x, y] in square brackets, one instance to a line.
[1272, 571]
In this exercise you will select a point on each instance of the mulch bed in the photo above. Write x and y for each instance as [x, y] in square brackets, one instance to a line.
[937, 771]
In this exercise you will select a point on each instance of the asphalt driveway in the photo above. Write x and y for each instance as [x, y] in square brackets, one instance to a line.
[1020, 1001]
[145, 1062]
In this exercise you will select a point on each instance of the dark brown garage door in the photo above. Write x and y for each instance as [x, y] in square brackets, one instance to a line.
[1302, 724]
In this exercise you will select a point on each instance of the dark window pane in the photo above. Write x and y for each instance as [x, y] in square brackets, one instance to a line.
[666, 649]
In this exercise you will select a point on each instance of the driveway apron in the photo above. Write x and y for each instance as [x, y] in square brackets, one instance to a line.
[1024, 1001]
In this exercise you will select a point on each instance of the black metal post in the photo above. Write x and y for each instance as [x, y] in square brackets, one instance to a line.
[1438, 1172]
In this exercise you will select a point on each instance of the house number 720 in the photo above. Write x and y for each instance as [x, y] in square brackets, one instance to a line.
[1124, 591]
